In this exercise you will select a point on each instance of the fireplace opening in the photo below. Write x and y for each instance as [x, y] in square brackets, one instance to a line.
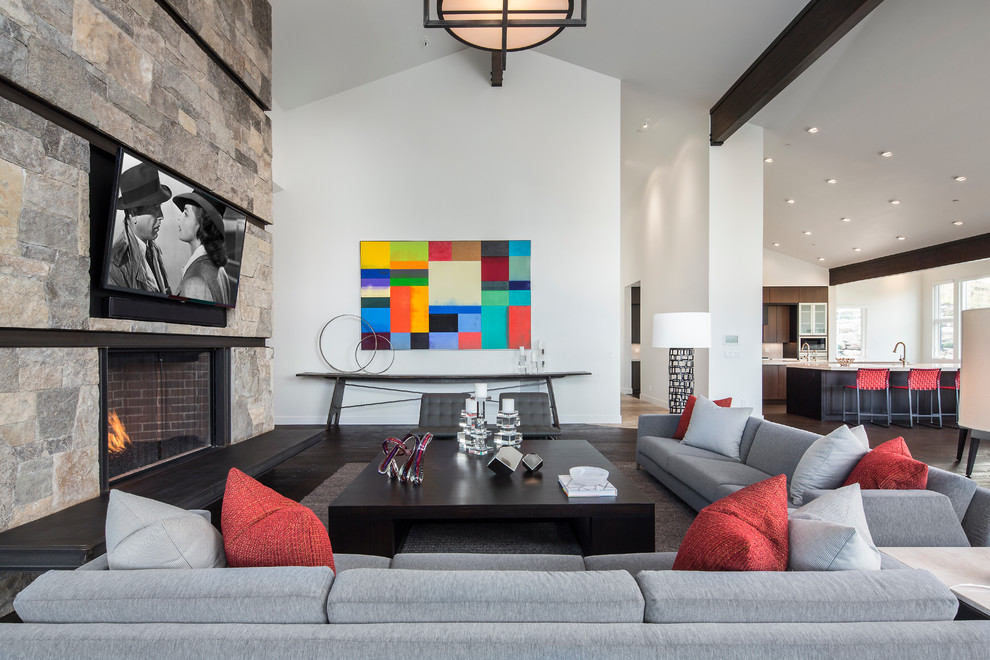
[160, 406]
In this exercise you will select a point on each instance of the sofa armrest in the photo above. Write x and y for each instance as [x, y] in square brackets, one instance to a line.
[661, 426]
[976, 522]
[919, 518]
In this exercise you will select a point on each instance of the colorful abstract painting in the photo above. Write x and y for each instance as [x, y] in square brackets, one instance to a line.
[446, 294]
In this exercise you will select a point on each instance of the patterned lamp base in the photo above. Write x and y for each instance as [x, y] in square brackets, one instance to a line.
[681, 373]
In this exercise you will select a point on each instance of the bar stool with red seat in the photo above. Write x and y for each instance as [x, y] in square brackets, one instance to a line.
[954, 388]
[923, 380]
[868, 380]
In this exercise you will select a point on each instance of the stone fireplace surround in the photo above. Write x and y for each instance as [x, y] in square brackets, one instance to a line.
[185, 85]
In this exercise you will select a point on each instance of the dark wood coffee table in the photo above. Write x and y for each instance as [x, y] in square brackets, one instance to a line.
[373, 514]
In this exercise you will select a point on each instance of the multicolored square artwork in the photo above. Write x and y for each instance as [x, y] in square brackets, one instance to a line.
[446, 294]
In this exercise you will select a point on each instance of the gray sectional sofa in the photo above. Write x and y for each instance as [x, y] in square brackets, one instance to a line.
[488, 606]
[953, 511]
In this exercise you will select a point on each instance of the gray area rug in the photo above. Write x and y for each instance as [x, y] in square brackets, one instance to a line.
[673, 518]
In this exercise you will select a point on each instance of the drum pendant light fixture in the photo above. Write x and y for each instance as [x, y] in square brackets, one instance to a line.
[500, 26]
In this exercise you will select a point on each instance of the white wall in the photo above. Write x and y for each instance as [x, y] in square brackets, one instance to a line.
[735, 267]
[665, 221]
[783, 270]
[436, 153]
[893, 314]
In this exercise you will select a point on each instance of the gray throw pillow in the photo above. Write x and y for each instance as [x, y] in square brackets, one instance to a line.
[830, 533]
[146, 533]
[715, 428]
[827, 462]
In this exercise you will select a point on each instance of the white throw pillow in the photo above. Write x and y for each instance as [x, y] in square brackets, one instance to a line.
[715, 428]
[827, 462]
[146, 533]
[830, 533]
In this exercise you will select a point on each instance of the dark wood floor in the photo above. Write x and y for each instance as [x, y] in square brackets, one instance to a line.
[298, 476]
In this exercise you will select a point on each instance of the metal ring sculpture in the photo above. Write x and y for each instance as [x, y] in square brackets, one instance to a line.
[361, 368]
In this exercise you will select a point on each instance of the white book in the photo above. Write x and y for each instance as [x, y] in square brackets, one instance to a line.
[575, 490]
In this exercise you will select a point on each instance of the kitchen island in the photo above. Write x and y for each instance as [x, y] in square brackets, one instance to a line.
[814, 389]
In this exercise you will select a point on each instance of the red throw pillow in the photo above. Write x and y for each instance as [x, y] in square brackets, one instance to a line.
[889, 466]
[682, 425]
[262, 528]
[745, 531]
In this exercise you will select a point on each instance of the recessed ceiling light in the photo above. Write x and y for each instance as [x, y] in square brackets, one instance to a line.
[807, 233]
[846, 219]
[895, 202]
[812, 129]
[957, 223]
[902, 238]
[821, 258]
[959, 178]
[776, 244]
[857, 249]
[789, 201]
[886, 154]
[768, 160]
[830, 180]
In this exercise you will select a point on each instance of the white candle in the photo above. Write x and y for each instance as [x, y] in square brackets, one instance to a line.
[470, 406]
[508, 405]
[522, 351]
[534, 357]
[480, 391]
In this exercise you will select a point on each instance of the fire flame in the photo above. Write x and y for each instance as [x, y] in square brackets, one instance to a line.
[117, 438]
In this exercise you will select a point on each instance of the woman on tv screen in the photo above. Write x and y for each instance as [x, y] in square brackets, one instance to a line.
[201, 227]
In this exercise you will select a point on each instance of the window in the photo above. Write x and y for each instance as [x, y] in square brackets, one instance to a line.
[943, 335]
[976, 293]
[850, 335]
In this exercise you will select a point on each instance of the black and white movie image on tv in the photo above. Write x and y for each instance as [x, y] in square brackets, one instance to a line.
[169, 238]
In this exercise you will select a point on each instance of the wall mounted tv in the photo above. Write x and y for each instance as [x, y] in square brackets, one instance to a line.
[169, 250]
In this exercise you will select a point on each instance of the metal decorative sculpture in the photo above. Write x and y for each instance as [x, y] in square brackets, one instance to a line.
[412, 470]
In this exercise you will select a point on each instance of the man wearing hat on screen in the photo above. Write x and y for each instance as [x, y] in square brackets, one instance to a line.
[135, 258]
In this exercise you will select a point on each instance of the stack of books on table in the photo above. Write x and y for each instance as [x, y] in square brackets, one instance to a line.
[574, 490]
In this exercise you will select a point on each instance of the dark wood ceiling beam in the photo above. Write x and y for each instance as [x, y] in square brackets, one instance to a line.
[944, 254]
[816, 29]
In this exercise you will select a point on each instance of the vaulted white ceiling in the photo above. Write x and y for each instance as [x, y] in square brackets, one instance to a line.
[909, 79]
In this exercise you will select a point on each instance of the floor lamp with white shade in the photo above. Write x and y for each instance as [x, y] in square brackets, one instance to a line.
[974, 381]
[681, 332]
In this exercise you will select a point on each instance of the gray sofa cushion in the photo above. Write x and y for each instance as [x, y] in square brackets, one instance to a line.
[146, 533]
[716, 428]
[788, 597]
[368, 595]
[285, 594]
[777, 448]
[705, 475]
[827, 463]
[633, 562]
[662, 449]
[830, 533]
[462, 561]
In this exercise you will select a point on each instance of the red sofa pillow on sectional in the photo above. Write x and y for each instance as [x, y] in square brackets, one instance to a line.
[745, 531]
[262, 528]
[889, 466]
[682, 424]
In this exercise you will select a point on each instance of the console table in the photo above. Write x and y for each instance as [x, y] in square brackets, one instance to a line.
[341, 380]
